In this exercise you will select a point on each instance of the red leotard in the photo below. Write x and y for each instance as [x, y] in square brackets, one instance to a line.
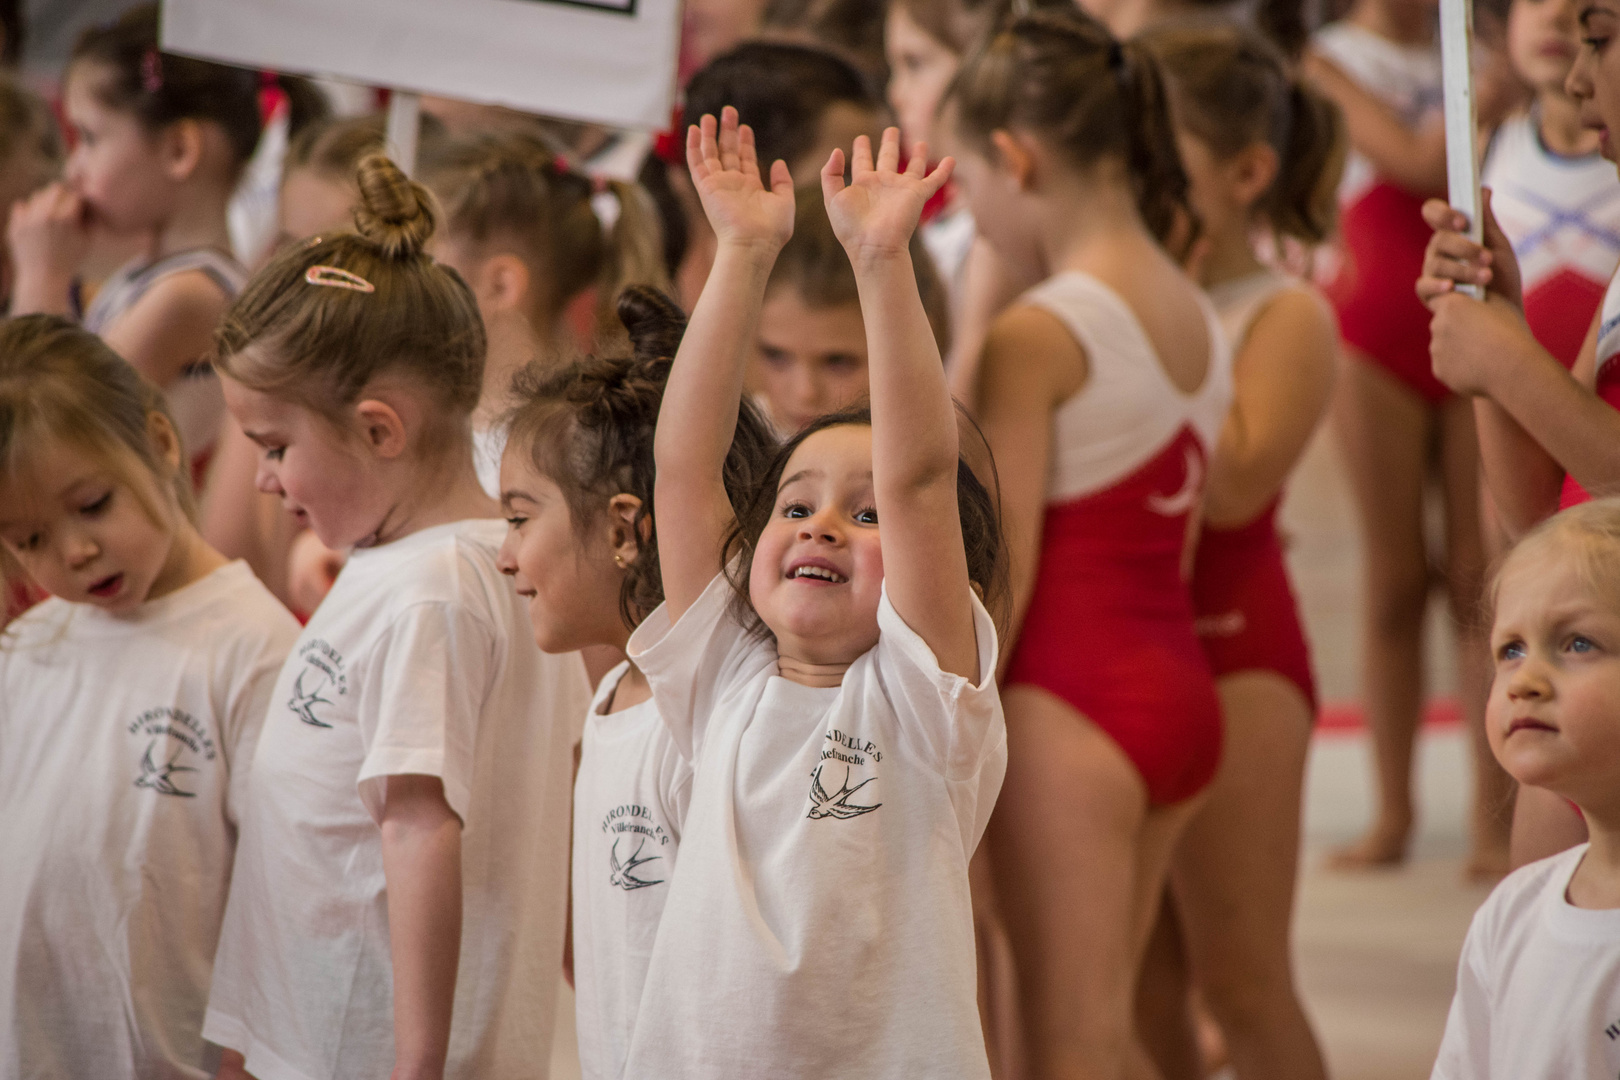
[1110, 625]
[1384, 235]
[1248, 619]
[1607, 383]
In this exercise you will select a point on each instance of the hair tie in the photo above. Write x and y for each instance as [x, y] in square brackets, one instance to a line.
[151, 71]
[337, 278]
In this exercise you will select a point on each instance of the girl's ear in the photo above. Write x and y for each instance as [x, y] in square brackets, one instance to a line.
[165, 440]
[1252, 171]
[381, 428]
[182, 148]
[504, 284]
[1014, 156]
[624, 537]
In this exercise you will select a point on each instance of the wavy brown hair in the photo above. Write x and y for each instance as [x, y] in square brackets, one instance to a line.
[589, 425]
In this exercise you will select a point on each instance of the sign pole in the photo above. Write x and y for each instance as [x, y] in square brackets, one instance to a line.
[404, 112]
[1462, 127]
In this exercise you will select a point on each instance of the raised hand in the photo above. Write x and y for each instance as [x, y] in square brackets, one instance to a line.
[725, 171]
[875, 214]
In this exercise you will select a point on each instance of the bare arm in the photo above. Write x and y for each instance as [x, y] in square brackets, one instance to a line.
[1031, 364]
[698, 418]
[170, 327]
[421, 845]
[989, 284]
[49, 237]
[1284, 375]
[914, 448]
[1413, 157]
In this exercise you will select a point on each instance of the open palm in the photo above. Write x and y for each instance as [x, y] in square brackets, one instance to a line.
[875, 214]
[725, 171]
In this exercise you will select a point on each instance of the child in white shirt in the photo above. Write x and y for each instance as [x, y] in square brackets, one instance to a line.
[577, 488]
[399, 900]
[1538, 986]
[837, 702]
[130, 702]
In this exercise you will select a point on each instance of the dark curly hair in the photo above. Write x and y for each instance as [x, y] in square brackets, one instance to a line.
[588, 425]
[978, 502]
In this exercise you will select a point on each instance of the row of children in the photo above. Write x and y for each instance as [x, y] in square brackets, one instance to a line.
[399, 840]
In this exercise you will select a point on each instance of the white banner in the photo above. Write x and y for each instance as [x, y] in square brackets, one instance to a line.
[605, 61]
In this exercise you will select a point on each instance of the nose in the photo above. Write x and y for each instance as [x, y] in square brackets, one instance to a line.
[265, 478]
[822, 526]
[79, 549]
[1529, 681]
[506, 558]
[1578, 83]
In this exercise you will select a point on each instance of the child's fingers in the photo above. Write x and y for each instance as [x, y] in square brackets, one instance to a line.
[861, 160]
[832, 174]
[710, 141]
[694, 152]
[1431, 288]
[888, 159]
[917, 165]
[781, 178]
[747, 153]
[938, 178]
[1440, 216]
[728, 139]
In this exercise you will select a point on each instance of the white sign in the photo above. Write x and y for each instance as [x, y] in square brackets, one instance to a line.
[604, 61]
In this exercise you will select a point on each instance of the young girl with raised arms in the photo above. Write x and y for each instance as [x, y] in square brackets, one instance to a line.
[577, 488]
[1538, 984]
[404, 847]
[1263, 154]
[1102, 393]
[130, 703]
[160, 141]
[825, 665]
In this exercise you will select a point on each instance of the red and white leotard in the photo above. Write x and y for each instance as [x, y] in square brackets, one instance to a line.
[1562, 215]
[1607, 383]
[1248, 619]
[1381, 225]
[1110, 625]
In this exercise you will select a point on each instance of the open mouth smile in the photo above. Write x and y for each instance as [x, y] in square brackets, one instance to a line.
[816, 570]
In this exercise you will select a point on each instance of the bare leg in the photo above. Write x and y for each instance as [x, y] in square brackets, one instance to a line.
[1163, 998]
[1079, 859]
[1233, 878]
[1492, 815]
[1544, 824]
[998, 988]
[1385, 427]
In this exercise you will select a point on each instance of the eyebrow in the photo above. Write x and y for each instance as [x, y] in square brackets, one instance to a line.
[802, 474]
[1592, 11]
[511, 495]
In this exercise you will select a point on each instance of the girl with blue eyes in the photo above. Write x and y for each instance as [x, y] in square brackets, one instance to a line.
[1538, 985]
[130, 702]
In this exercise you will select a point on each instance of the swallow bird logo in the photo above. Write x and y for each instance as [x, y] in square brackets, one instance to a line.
[304, 701]
[160, 778]
[1185, 499]
[624, 874]
[837, 805]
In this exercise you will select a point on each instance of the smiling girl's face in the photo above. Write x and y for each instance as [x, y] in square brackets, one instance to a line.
[1553, 717]
[1594, 81]
[817, 572]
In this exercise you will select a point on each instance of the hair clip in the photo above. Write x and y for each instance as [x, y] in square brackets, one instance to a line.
[337, 278]
[151, 71]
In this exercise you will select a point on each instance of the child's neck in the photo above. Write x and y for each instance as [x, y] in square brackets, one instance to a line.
[190, 560]
[1230, 257]
[806, 673]
[1091, 221]
[1596, 884]
[435, 494]
[1404, 24]
[1557, 118]
[513, 343]
[199, 221]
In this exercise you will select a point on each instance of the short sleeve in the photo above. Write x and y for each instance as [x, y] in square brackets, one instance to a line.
[252, 686]
[1465, 1049]
[692, 664]
[955, 724]
[424, 692]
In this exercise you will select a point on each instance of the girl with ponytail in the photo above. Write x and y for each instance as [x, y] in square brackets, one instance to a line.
[547, 252]
[577, 489]
[1102, 394]
[404, 844]
[1263, 154]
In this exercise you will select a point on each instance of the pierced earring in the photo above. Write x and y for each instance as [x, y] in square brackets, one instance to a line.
[618, 560]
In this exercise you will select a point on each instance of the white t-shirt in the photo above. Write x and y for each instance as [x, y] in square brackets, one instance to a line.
[1538, 985]
[820, 924]
[630, 799]
[124, 747]
[420, 660]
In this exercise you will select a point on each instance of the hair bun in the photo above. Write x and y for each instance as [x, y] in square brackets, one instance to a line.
[654, 321]
[395, 213]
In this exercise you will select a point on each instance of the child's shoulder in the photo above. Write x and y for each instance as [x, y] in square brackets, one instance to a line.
[1518, 899]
